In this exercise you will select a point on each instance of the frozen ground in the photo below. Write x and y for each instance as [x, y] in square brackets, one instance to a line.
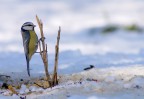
[107, 83]
[110, 83]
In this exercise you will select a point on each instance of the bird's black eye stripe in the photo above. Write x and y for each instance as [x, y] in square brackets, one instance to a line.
[27, 25]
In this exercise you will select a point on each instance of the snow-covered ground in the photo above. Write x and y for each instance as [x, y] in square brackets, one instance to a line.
[107, 83]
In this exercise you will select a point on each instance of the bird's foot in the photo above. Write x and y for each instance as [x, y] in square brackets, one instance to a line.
[42, 39]
[40, 52]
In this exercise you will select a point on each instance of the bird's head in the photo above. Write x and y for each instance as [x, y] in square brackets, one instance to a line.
[28, 26]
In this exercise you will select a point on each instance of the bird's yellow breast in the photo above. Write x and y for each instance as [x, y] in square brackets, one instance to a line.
[32, 43]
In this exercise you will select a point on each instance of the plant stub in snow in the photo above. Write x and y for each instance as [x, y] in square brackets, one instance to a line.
[54, 79]
[44, 55]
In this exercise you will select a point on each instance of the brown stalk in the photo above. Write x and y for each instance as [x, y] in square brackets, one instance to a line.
[54, 79]
[43, 52]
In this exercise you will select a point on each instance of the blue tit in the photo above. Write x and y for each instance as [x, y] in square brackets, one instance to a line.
[30, 41]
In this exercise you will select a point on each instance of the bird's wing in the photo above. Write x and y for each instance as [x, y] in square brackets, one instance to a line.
[26, 39]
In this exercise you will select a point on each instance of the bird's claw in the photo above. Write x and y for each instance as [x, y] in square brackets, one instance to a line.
[42, 39]
[39, 52]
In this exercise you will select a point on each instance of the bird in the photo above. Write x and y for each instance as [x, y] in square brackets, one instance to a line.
[30, 41]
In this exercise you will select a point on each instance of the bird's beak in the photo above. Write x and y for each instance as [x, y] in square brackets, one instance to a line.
[34, 25]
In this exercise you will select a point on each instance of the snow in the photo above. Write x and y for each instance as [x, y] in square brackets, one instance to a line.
[24, 89]
[104, 83]
[118, 57]
[110, 79]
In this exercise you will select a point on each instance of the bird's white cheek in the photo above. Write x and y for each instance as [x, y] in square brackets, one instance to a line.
[28, 28]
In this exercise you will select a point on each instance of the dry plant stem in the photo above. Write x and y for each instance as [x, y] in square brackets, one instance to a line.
[54, 79]
[40, 49]
[44, 53]
[39, 85]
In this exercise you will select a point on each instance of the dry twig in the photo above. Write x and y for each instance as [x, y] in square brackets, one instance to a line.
[54, 79]
[43, 51]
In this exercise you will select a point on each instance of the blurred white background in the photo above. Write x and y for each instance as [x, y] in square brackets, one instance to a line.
[82, 40]
[74, 16]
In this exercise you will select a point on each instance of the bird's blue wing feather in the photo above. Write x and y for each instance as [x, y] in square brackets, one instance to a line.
[26, 38]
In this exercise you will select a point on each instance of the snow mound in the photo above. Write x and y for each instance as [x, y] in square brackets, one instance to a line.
[96, 83]
[109, 83]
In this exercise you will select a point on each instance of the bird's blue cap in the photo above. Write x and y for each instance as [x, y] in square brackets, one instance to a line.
[28, 24]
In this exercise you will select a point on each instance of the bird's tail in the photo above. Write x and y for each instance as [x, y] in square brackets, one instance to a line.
[28, 69]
